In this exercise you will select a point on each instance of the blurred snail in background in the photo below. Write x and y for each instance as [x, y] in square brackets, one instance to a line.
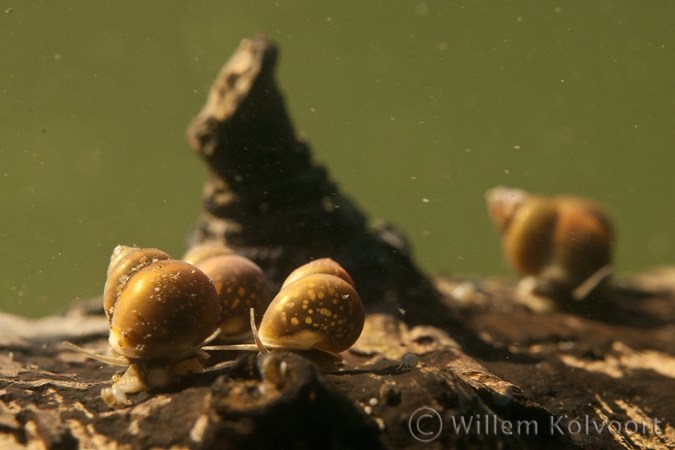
[563, 245]
[240, 284]
[317, 313]
[160, 312]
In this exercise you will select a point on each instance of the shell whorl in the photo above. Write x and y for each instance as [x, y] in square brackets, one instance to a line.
[124, 262]
[206, 250]
[323, 265]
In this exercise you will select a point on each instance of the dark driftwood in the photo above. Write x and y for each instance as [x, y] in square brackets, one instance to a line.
[266, 198]
[483, 354]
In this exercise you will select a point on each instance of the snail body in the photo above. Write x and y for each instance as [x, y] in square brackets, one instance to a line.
[161, 313]
[564, 244]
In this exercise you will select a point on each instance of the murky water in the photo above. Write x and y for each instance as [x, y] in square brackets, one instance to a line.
[417, 109]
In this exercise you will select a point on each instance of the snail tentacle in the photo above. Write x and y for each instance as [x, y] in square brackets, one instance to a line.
[112, 360]
[256, 336]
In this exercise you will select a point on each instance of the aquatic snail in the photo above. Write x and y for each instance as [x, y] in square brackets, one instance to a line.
[563, 245]
[273, 369]
[161, 312]
[316, 313]
[241, 285]
[408, 361]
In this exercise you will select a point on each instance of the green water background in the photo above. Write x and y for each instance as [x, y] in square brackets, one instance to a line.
[416, 108]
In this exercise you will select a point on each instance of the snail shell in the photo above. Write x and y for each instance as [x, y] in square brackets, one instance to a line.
[323, 265]
[562, 241]
[205, 250]
[318, 311]
[241, 285]
[124, 262]
[165, 310]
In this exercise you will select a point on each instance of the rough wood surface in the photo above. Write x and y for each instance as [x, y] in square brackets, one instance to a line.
[532, 380]
[505, 363]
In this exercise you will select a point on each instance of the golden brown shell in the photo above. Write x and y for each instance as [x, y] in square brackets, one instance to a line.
[318, 311]
[124, 262]
[502, 204]
[205, 250]
[323, 265]
[241, 285]
[528, 238]
[165, 310]
[564, 240]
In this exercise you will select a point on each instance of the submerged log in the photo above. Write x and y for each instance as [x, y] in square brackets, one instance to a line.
[491, 374]
[514, 378]
[267, 200]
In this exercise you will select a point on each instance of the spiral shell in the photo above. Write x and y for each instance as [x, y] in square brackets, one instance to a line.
[124, 262]
[158, 308]
[205, 250]
[241, 285]
[318, 311]
[562, 241]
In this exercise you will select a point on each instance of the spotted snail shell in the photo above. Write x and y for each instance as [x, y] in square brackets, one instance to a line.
[241, 285]
[163, 308]
[318, 311]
